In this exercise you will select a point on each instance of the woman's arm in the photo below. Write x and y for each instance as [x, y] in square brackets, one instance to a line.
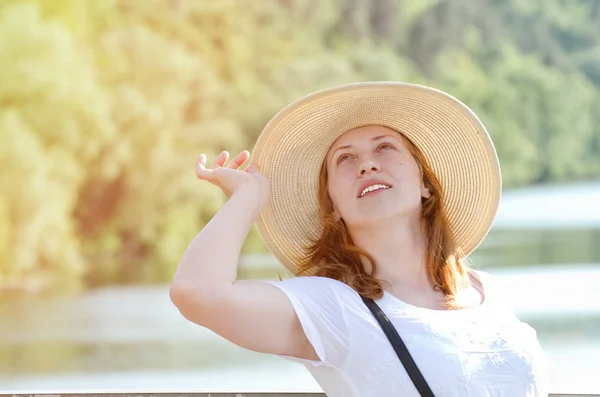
[252, 314]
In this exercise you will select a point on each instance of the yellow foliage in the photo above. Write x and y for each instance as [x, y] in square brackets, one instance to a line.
[105, 106]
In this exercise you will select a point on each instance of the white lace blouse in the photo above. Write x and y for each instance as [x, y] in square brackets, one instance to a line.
[480, 351]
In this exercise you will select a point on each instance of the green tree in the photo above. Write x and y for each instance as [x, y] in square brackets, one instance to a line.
[105, 106]
[52, 126]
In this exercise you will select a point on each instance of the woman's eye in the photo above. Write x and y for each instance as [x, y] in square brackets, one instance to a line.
[386, 146]
[343, 157]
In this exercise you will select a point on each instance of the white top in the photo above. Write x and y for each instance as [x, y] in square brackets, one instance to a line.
[480, 351]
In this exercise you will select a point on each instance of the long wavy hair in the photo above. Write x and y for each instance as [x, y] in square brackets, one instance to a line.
[335, 255]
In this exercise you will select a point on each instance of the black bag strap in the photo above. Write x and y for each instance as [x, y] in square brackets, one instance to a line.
[400, 348]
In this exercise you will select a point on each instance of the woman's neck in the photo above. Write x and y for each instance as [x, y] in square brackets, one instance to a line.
[399, 249]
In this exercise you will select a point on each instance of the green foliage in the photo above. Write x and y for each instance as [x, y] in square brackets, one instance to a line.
[104, 107]
[53, 122]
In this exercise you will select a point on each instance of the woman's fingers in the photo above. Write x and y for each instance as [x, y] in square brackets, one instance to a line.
[202, 160]
[220, 160]
[239, 160]
[200, 164]
[217, 167]
[201, 171]
[252, 169]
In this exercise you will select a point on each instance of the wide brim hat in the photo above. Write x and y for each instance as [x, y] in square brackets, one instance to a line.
[292, 147]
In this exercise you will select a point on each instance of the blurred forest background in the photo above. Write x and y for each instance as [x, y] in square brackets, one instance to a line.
[105, 105]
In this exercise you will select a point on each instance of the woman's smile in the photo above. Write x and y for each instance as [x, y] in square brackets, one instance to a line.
[373, 190]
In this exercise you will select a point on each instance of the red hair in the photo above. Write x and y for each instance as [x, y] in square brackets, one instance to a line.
[335, 255]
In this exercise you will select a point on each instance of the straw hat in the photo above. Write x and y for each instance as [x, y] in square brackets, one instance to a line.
[291, 149]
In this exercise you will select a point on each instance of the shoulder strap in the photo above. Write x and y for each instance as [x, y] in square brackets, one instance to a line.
[400, 348]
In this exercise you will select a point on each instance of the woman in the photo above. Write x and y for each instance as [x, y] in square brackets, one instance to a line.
[368, 191]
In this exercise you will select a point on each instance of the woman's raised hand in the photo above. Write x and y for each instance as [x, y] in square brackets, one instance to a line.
[231, 178]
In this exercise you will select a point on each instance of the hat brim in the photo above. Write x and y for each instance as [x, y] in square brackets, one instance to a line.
[291, 149]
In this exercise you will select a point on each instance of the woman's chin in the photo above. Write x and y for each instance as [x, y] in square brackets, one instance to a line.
[381, 215]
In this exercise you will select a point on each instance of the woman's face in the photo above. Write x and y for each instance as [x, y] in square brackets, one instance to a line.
[371, 175]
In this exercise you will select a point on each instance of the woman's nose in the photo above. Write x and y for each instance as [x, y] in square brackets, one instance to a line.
[368, 167]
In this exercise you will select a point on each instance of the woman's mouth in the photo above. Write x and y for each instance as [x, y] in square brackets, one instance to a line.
[371, 189]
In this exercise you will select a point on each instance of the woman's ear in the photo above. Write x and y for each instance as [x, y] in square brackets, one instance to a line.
[425, 193]
[336, 215]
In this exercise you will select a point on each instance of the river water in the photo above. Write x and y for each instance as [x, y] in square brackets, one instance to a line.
[544, 248]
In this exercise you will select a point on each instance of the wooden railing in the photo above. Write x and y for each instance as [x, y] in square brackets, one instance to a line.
[163, 394]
